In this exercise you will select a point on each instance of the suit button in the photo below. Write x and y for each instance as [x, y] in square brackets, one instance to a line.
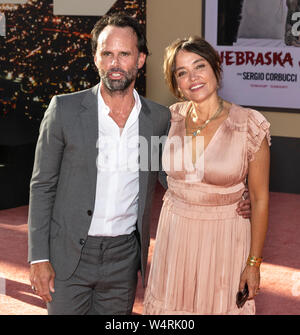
[89, 212]
[81, 241]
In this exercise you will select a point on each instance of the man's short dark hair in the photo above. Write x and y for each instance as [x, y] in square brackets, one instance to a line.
[119, 20]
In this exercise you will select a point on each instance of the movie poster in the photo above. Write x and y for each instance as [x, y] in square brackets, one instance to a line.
[259, 44]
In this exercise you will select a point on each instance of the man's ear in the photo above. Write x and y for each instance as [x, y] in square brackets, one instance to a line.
[141, 60]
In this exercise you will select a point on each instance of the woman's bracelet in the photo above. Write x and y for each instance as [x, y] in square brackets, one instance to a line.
[254, 261]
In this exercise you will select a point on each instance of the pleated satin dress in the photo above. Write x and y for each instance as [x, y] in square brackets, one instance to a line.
[202, 244]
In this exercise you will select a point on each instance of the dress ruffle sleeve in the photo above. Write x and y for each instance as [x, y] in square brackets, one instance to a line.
[258, 129]
[179, 110]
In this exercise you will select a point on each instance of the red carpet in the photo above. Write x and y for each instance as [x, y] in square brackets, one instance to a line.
[280, 272]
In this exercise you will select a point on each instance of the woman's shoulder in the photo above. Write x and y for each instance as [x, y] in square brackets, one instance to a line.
[179, 110]
[252, 123]
[240, 118]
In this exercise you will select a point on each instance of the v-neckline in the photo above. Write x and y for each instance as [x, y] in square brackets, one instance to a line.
[218, 129]
[221, 125]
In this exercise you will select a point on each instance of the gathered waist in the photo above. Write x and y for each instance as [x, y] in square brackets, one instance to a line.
[205, 194]
[208, 201]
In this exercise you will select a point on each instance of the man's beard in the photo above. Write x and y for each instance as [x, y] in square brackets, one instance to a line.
[114, 85]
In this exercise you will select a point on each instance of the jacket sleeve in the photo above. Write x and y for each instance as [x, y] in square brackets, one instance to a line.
[48, 157]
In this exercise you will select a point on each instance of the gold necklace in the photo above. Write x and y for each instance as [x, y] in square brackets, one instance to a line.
[197, 131]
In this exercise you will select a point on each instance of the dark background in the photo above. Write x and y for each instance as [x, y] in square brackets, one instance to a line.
[42, 55]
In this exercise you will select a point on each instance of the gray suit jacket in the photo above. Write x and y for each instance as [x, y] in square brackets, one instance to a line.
[63, 184]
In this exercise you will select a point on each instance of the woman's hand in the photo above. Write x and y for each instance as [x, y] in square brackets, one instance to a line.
[251, 276]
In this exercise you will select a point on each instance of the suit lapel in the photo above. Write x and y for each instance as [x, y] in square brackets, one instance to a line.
[145, 133]
[89, 120]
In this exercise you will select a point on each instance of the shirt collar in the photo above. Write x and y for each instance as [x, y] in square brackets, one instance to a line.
[103, 108]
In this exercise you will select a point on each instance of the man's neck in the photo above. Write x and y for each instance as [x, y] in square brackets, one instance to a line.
[120, 103]
[118, 100]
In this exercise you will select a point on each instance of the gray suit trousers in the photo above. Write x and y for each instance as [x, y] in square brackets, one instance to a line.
[104, 282]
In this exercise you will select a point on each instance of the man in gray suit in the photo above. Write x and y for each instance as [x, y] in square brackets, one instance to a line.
[89, 214]
[92, 183]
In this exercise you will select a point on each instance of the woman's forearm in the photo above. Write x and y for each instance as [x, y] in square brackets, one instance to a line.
[259, 225]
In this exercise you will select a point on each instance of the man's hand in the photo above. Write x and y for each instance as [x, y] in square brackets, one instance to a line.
[42, 279]
[244, 206]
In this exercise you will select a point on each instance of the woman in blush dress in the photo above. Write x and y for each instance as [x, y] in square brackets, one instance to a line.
[205, 252]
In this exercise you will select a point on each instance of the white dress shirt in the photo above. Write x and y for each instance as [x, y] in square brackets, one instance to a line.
[116, 203]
